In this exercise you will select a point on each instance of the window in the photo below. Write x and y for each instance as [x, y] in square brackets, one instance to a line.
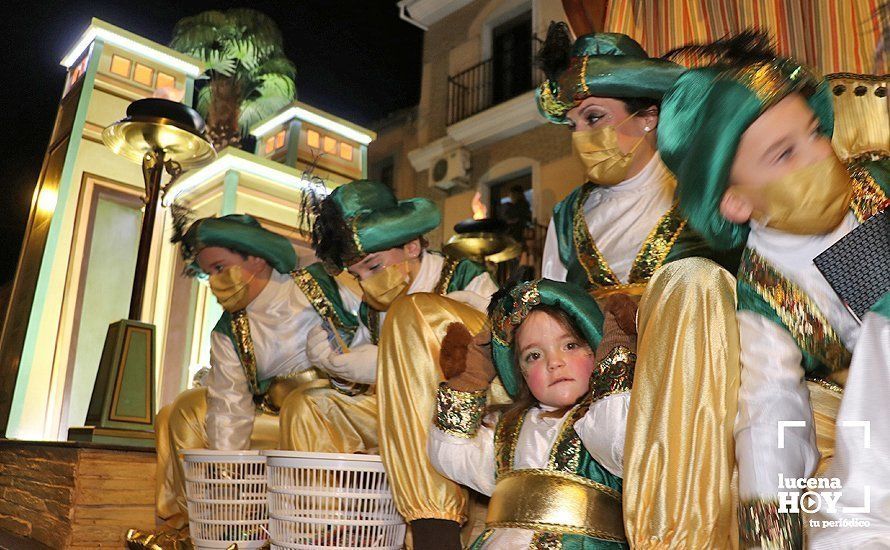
[275, 142]
[313, 138]
[330, 145]
[76, 72]
[121, 66]
[166, 81]
[346, 151]
[144, 75]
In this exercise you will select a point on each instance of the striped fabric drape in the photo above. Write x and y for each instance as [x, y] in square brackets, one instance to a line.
[829, 35]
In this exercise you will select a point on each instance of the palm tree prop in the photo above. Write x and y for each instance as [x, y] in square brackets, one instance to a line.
[250, 77]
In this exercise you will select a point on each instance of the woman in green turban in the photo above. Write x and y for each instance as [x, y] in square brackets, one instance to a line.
[622, 232]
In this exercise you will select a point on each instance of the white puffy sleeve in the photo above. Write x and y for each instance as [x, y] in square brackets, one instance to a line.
[551, 265]
[603, 428]
[477, 294]
[230, 409]
[460, 445]
[772, 390]
[862, 449]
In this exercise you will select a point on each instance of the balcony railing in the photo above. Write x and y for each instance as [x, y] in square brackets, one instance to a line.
[475, 89]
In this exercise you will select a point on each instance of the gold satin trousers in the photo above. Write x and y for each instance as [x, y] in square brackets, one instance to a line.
[179, 426]
[397, 419]
[679, 453]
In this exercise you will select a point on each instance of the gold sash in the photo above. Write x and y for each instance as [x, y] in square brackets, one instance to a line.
[559, 502]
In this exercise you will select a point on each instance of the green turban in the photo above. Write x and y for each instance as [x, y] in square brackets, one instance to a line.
[364, 216]
[241, 233]
[513, 308]
[702, 120]
[603, 65]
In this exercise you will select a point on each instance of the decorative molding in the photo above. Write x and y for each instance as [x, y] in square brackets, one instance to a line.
[507, 119]
[424, 13]
[422, 157]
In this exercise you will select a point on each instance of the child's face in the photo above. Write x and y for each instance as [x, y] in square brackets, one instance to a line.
[556, 365]
[785, 138]
[378, 261]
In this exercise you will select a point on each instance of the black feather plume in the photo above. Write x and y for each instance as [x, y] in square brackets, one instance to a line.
[745, 48]
[555, 55]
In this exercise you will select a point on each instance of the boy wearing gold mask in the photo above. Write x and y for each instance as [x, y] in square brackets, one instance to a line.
[748, 139]
[622, 233]
[410, 296]
[257, 349]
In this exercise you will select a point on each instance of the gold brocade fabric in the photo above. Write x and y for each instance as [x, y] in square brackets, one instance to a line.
[556, 502]
[180, 425]
[408, 376]
[763, 526]
[679, 452]
[317, 418]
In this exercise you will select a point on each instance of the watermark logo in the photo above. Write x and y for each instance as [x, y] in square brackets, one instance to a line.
[813, 495]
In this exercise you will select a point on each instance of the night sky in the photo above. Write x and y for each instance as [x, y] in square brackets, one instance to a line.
[355, 59]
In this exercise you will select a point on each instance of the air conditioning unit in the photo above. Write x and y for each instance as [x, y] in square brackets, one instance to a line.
[451, 170]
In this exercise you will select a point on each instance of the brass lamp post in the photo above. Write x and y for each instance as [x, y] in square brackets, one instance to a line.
[162, 135]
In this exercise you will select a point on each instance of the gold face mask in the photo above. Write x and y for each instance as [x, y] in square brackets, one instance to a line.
[598, 151]
[382, 289]
[809, 201]
[230, 288]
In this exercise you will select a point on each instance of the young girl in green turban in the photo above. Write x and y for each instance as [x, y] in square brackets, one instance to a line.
[551, 461]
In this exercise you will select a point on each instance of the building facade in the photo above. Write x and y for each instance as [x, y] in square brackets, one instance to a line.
[75, 271]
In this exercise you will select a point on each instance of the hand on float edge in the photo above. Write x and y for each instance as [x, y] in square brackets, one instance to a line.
[465, 360]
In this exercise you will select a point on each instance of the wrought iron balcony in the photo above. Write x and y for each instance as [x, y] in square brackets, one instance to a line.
[491, 82]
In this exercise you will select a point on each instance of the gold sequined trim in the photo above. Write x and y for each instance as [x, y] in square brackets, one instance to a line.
[583, 80]
[353, 227]
[459, 413]
[599, 274]
[544, 540]
[761, 525]
[505, 436]
[652, 254]
[525, 296]
[827, 384]
[312, 290]
[772, 80]
[374, 325]
[657, 245]
[549, 102]
[565, 455]
[244, 347]
[868, 197]
[448, 269]
[808, 326]
[614, 374]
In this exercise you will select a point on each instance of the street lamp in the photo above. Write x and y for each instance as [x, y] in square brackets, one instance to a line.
[164, 136]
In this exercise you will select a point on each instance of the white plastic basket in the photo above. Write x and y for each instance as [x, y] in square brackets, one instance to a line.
[330, 501]
[227, 498]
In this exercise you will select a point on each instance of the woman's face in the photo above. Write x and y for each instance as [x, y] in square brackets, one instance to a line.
[596, 112]
[556, 364]
[785, 138]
